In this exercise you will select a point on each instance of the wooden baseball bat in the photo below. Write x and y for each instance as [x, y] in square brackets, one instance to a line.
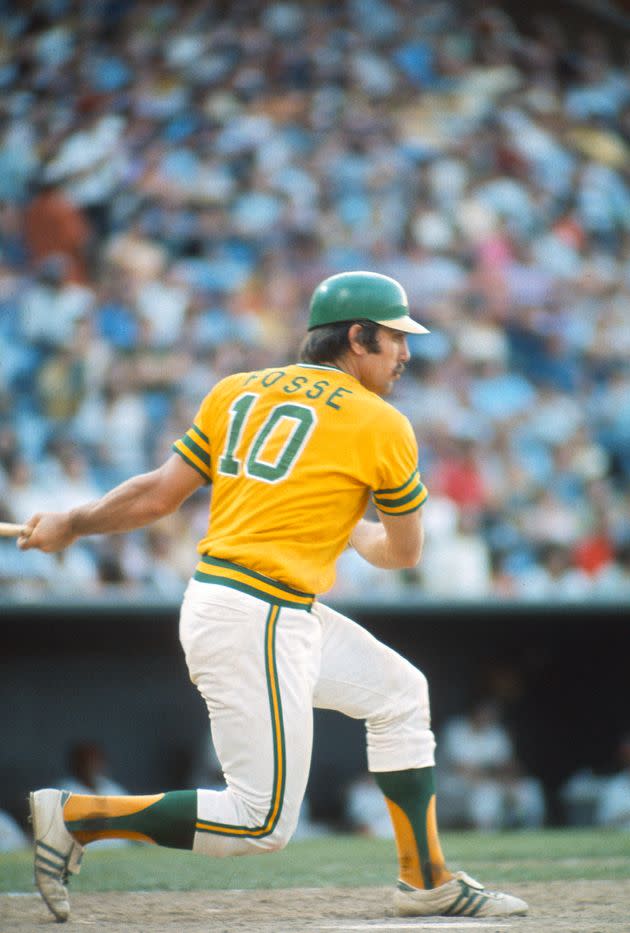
[11, 530]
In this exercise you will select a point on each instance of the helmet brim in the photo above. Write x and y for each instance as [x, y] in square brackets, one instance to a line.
[406, 324]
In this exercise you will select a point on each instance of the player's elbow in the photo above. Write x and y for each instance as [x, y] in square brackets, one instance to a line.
[156, 497]
[405, 537]
[408, 554]
[160, 506]
[408, 562]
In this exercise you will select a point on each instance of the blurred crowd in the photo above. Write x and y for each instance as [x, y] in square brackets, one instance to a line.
[176, 178]
[482, 784]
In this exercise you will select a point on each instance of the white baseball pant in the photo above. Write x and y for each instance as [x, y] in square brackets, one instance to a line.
[261, 668]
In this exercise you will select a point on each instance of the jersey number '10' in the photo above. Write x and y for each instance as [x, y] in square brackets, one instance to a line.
[304, 419]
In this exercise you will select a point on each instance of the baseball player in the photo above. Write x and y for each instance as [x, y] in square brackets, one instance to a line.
[293, 455]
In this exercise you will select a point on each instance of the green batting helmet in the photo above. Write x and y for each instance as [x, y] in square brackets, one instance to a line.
[368, 296]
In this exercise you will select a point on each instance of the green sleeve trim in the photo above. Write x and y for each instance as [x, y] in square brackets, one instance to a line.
[392, 492]
[191, 464]
[391, 510]
[203, 455]
[203, 436]
[405, 511]
[417, 490]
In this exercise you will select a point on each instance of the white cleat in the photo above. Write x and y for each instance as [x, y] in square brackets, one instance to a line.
[57, 853]
[462, 896]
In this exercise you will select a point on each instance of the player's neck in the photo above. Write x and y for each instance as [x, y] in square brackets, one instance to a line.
[347, 365]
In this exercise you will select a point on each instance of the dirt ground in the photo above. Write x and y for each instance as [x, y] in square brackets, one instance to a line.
[557, 907]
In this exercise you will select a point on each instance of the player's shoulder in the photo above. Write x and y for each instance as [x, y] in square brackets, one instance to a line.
[385, 428]
[230, 384]
[385, 412]
[220, 395]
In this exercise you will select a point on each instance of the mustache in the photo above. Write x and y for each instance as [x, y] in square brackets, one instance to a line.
[399, 369]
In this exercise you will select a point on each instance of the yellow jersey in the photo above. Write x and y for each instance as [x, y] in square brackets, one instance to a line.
[293, 455]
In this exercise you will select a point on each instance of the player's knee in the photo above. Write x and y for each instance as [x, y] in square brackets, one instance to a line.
[276, 840]
[406, 701]
[278, 837]
[413, 689]
[420, 688]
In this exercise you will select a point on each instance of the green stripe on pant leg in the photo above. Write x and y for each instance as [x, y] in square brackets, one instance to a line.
[169, 822]
[412, 791]
[278, 740]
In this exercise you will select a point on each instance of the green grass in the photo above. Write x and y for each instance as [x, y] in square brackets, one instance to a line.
[343, 860]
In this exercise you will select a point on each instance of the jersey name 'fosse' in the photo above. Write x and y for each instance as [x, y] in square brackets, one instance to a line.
[293, 455]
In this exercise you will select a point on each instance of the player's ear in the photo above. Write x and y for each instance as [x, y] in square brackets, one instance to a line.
[356, 339]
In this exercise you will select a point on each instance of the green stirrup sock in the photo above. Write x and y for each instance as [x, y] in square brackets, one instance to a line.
[410, 797]
[168, 819]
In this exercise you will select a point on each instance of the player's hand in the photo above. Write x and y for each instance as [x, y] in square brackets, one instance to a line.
[47, 531]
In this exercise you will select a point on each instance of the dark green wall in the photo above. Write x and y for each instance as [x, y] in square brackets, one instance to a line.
[117, 675]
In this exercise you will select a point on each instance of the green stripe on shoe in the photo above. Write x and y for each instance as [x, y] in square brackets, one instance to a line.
[453, 909]
[43, 845]
[467, 905]
[41, 860]
[45, 871]
[483, 899]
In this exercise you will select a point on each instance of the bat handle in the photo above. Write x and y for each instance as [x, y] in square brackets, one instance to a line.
[11, 530]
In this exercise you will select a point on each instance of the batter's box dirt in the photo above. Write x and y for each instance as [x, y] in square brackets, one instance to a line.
[557, 907]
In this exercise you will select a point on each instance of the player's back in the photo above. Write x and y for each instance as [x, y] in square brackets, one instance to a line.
[294, 453]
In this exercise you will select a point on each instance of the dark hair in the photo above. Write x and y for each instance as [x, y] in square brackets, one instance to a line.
[328, 343]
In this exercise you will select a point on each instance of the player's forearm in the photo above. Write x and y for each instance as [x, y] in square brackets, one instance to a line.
[133, 504]
[371, 541]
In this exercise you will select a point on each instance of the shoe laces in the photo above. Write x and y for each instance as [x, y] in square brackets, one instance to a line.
[478, 886]
[471, 882]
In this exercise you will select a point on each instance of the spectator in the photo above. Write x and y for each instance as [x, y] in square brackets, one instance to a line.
[53, 226]
[457, 565]
[613, 580]
[88, 774]
[51, 306]
[579, 795]
[614, 798]
[87, 771]
[12, 836]
[483, 775]
[459, 477]
[366, 810]
[554, 577]
[172, 190]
